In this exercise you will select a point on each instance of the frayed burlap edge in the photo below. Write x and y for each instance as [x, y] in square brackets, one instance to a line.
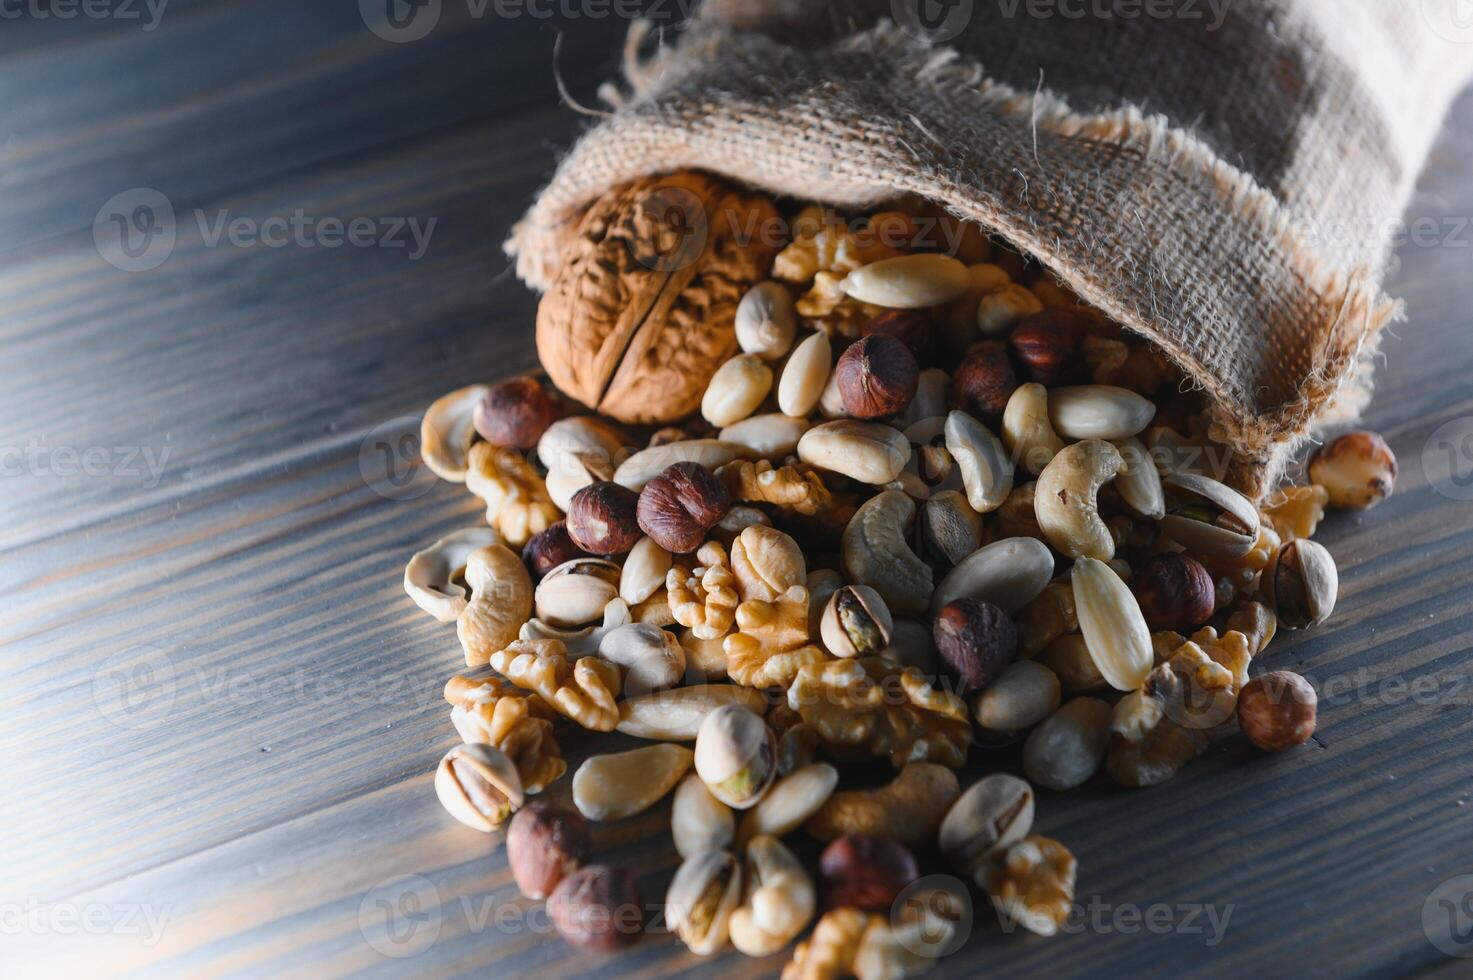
[1262, 443]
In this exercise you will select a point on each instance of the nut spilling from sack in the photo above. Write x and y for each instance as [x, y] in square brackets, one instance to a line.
[912, 501]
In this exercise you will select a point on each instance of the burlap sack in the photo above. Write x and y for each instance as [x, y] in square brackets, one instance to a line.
[1222, 176]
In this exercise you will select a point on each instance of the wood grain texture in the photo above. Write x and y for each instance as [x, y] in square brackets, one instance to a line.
[221, 712]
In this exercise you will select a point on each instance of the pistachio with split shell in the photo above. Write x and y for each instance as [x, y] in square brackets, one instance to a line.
[706, 888]
[1301, 583]
[621, 784]
[651, 657]
[992, 815]
[576, 592]
[856, 622]
[1208, 518]
[479, 785]
[736, 756]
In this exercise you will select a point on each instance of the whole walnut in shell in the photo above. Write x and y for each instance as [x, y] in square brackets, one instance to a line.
[643, 311]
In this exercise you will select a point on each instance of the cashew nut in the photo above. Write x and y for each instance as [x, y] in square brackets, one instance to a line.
[430, 577]
[501, 601]
[909, 808]
[448, 429]
[987, 473]
[778, 899]
[1026, 428]
[875, 553]
[1065, 500]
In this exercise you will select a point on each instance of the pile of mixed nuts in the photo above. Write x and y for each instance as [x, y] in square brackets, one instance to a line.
[931, 505]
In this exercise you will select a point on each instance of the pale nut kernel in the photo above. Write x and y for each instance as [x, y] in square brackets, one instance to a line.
[1114, 629]
[908, 809]
[651, 657]
[676, 715]
[1023, 695]
[479, 786]
[793, 798]
[1139, 483]
[865, 451]
[736, 756]
[1068, 657]
[1067, 748]
[958, 319]
[1065, 499]
[619, 785]
[1358, 470]
[805, 376]
[908, 282]
[773, 436]
[644, 571]
[986, 470]
[1099, 412]
[699, 821]
[992, 815]
[736, 390]
[1000, 310]
[933, 388]
[766, 321]
[576, 452]
[856, 622]
[641, 468]
[1009, 574]
[1026, 429]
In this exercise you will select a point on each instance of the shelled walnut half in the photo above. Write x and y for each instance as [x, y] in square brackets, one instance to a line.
[643, 311]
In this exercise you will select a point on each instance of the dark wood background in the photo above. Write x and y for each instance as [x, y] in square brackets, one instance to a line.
[221, 713]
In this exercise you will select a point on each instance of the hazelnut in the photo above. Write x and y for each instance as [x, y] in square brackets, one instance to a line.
[601, 519]
[911, 327]
[1301, 583]
[545, 844]
[984, 382]
[1175, 592]
[976, 641]
[548, 549]
[680, 505]
[1277, 711]
[516, 413]
[1358, 470]
[856, 622]
[597, 909]
[877, 377]
[865, 872]
[1049, 347]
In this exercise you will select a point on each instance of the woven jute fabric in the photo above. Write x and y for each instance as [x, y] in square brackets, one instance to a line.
[1221, 176]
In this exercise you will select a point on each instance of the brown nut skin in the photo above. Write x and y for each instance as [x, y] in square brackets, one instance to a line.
[545, 844]
[877, 377]
[976, 641]
[865, 872]
[911, 327]
[545, 551]
[680, 505]
[597, 908]
[516, 413]
[1175, 592]
[1277, 711]
[1048, 345]
[983, 383]
[1358, 470]
[602, 519]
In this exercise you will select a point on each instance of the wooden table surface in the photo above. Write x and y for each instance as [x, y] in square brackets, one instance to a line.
[220, 713]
